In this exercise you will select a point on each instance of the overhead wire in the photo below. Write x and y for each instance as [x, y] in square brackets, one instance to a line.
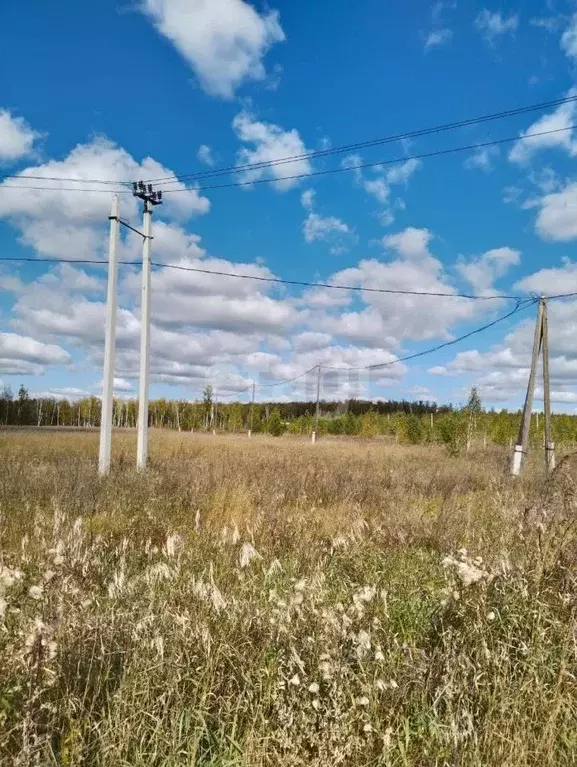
[381, 163]
[521, 304]
[274, 280]
[313, 154]
[279, 280]
[300, 176]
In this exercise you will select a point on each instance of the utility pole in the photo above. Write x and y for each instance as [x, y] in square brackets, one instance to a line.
[317, 411]
[540, 342]
[549, 445]
[109, 341]
[251, 412]
[150, 198]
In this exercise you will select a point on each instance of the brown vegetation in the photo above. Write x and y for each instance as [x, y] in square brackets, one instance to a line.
[267, 602]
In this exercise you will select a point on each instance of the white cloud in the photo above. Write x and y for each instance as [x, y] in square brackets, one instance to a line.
[440, 34]
[68, 224]
[16, 137]
[561, 121]
[552, 280]
[379, 186]
[121, 385]
[494, 25]
[388, 319]
[502, 371]
[325, 228]
[224, 41]
[482, 272]
[25, 355]
[311, 341]
[548, 23]
[62, 393]
[438, 37]
[271, 143]
[412, 243]
[401, 173]
[557, 216]
[308, 199]
[482, 158]
[204, 154]
[569, 38]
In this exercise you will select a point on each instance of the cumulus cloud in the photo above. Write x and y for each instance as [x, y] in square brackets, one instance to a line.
[482, 272]
[205, 156]
[560, 120]
[270, 143]
[551, 280]
[556, 218]
[328, 229]
[224, 41]
[440, 34]
[569, 38]
[25, 355]
[16, 137]
[482, 159]
[438, 37]
[379, 184]
[59, 222]
[502, 372]
[494, 25]
[389, 319]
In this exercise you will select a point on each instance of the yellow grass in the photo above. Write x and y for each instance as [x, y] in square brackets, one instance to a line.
[269, 602]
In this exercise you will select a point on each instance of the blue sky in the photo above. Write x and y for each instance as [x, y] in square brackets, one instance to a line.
[126, 90]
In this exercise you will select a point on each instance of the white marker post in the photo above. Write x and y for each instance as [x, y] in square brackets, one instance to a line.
[109, 341]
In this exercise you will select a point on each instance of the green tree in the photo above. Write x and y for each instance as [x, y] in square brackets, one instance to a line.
[25, 407]
[275, 425]
[414, 431]
[473, 409]
[451, 429]
[207, 404]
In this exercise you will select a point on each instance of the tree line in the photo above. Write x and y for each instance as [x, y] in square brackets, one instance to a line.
[402, 420]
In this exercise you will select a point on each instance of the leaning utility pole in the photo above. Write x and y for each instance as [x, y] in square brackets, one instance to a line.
[318, 407]
[109, 341]
[540, 342]
[150, 198]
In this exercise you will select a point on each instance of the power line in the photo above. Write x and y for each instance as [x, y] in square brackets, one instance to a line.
[340, 169]
[368, 144]
[275, 280]
[302, 283]
[522, 304]
[228, 170]
[362, 166]
[359, 288]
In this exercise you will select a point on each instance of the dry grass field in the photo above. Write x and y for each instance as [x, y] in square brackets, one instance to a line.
[267, 603]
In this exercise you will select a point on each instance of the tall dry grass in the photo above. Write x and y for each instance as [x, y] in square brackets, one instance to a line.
[268, 602]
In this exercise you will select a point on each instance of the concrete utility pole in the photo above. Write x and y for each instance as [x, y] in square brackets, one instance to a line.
[318, 407]
[549, 445]
[109, 341]
[251, 412]
[150, 198]
[540, 342]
